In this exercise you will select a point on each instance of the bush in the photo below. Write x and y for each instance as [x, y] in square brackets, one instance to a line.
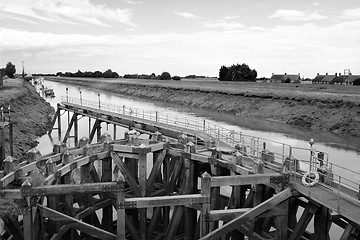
[356, 81]
[237, 73]
[165, 76]
[176, 78]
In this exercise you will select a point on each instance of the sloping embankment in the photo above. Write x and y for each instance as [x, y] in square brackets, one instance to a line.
[333, 115]
[30, 114]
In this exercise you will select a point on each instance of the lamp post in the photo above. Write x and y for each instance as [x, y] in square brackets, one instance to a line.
[99, 100]
[67, 94]
[311, 142]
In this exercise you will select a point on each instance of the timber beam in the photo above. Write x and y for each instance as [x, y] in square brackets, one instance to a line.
[256, 211]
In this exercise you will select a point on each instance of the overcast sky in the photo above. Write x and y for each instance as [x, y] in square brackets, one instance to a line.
[181, 37]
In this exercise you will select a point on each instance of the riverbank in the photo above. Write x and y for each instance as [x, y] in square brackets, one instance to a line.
[29, 112]
[332, 108]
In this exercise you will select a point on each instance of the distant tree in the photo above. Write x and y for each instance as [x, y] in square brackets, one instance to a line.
[356, 81]
[176, 78]
[59, 74]
[97, 74]
[237, 73]
[110, 74]
[10, 70]
[165, 76]
[2, 72]
[223, 72]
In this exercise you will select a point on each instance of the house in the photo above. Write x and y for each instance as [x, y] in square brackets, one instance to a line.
[335, 79]
[324, 79]
[281, 78]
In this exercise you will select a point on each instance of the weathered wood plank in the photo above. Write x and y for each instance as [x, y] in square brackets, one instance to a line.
[120, 197]
[242, 179]
[304, 221]
[126, 173]
[64, 189]
[162, 201]
[233, 224]
[79, 225]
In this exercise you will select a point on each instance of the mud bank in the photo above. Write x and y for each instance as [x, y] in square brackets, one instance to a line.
[31, 115]
[334, 115]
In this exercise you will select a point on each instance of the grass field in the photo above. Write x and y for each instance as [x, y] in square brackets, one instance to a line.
[326, 93]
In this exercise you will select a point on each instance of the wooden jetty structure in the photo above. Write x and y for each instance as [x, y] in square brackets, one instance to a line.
[171, 177]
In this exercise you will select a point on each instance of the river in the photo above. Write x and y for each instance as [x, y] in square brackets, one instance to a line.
[343, 151]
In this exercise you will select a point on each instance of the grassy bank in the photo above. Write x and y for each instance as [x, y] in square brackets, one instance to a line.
[30, 114]
[333, 108]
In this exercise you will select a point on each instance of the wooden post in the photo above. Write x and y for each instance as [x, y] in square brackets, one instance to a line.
[59, 123]
[76, 130]
[205, 208]
[11, 142]
[2, 144]
[27, 217]
[281, 222]
[120, 199]
[53, 201]
[98, 131]
[321, 223]
[106, 176]
[142, 184]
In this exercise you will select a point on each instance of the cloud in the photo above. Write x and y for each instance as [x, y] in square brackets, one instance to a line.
[295, 15]
[224, 24]
[305, 48]
[186, 15]
[316, 4]
[231, 17]
[132, 2]
[80, 11]
[351, 14]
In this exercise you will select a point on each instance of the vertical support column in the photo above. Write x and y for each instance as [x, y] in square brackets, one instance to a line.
[205, 208]
[321, 223]
[114, 132]
[120, 199]
[215, 195]
[52, 201]
[89, 125]
[11, 142]
[98, 131]
[142, 184]
[191, 187]
[27, 217]
[59, 124]
[281, 222]
[2, 145]
[76, 130]
[106, 176]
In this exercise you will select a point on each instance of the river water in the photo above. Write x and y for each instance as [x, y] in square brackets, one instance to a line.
[343, 151]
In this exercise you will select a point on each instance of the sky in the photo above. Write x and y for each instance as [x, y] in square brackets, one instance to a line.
[181, 37]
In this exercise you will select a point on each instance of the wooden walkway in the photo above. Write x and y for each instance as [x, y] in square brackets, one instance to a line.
[181, 183]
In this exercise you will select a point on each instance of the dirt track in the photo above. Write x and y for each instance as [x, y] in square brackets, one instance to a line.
[30, 114]
[331, 108]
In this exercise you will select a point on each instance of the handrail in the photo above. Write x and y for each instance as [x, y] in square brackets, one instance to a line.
[254, 146]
